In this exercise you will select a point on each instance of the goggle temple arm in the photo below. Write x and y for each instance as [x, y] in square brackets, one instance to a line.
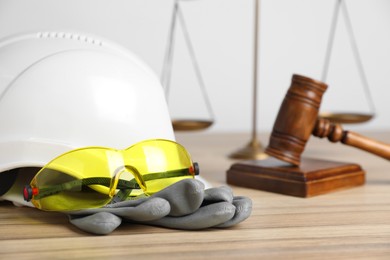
[195, 168]
[29, 192]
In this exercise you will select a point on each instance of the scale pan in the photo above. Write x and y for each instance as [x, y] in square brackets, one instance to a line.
[190, 124]
[346, 118]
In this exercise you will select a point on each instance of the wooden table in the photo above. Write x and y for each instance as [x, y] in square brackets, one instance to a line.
[348, 224]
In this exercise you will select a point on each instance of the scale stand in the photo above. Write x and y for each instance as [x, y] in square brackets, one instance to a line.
[254, 149]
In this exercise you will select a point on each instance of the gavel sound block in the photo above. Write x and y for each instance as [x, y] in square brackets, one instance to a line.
[297, 120]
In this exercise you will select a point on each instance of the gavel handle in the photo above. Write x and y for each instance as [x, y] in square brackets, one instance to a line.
[335, 133]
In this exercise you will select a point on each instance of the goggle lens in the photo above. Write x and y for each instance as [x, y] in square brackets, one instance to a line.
[90, 177]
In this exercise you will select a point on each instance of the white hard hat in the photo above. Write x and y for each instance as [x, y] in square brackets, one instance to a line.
[61, 91]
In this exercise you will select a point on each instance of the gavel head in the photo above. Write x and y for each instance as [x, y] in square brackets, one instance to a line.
[296, 119]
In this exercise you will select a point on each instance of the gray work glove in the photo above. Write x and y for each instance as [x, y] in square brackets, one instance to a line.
[183, 205]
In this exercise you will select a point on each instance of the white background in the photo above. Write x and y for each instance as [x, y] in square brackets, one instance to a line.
[293, 38]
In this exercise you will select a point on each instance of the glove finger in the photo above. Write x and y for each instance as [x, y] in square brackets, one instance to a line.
[149, 209]
[101, 223]
[243, 210]
[205, 217]
[190, 189]
[127, 203]
[219, 194]
[184, 197]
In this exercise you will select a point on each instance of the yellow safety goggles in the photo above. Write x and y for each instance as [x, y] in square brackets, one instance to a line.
[92, 177]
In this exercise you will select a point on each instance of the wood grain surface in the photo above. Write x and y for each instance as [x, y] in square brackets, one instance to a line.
[348, 224]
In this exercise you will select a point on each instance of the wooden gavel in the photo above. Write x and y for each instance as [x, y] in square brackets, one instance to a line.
[298, 119]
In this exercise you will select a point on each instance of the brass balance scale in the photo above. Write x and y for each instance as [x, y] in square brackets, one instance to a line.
[254, 149]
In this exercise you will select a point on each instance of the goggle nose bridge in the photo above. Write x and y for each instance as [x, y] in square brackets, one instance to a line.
[129, 169]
